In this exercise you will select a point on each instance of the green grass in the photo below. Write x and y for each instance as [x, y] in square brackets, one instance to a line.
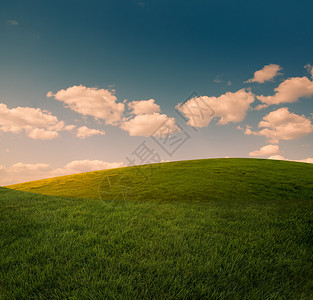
[218, 229]
[187, 181]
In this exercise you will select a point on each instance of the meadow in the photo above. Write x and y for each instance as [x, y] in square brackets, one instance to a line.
[214, 229]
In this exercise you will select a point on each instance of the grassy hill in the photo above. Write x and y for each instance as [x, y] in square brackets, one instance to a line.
[218, 229]
[188, 181]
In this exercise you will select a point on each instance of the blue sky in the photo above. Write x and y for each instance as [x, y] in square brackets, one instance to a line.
[141, 50]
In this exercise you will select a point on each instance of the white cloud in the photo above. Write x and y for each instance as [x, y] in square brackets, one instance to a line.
[267, 73]
[69, 127]
[13, 22]
[261, 106]
[22, 172]
[283, 125]
[229, 107]
[277, 157]
[42, 134]
[150, 124]
[308, 160]
[83, 132]
[21, 167]
[98, 103]
[290, 91]
[266, 150]
[144, 107]
[80, 166]
[247, 130]
[146, 120]
[36, 123]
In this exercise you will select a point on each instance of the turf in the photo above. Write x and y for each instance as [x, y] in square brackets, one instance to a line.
[187, 181]
[217, 229]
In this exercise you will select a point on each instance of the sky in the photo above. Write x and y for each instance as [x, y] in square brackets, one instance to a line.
[88, 85]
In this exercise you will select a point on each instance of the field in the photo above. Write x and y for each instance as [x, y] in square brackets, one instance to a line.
[217, 229]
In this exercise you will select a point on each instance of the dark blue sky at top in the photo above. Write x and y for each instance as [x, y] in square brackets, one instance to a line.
[150, 49]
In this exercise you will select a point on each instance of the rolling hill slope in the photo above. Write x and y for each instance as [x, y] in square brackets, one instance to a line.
[196, 180]
[214, 229]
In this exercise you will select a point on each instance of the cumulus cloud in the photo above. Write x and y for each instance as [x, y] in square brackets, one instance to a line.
[69, 127]
[267, 73]
[36, 123]
[80, 166]
[283, 125]
[144, 107]
[150, 124]
[21, 167]
[98, 103]
[42, 134]
[83, 132]
[261, 106]
[22, 172]
[266, 150]
[146, 120]
[308, 160]
[290, 91]
[143, 119]
[229, 107]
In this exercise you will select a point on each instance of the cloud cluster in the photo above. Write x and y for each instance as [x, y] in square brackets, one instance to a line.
[229, 107]
[98, 103]
[144, 117]
[267, 73]
[146, 120]
[266, 151]
[282, 125]
[308, 160]
[144, 107]
[289, 91]
[22, 172]
[80, 166]
[83, 132]
[36, 123]
[150, 124]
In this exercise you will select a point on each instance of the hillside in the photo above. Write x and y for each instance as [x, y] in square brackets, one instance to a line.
[196, 180]
[213, 229]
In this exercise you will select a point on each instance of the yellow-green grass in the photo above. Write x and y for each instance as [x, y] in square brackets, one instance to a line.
[213, 229]
[191, 181]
